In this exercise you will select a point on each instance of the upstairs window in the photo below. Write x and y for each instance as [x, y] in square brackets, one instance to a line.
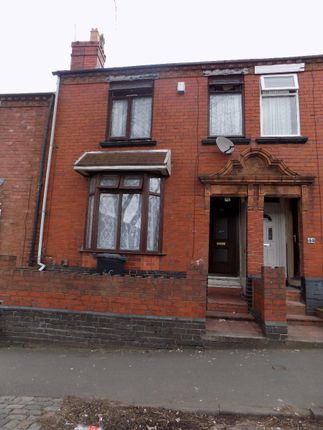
[225, 107]
[130, 110]
[124, 213]
[279, 105]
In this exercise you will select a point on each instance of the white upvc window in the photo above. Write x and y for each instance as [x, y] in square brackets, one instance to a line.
[279, 105]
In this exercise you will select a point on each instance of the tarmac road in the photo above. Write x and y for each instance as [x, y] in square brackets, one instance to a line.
[227, 380]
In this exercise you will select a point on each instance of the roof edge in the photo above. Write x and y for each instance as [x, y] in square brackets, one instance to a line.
[26, 96]
[246, 62]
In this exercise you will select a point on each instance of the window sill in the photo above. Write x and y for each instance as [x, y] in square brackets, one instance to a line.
[107, 251]
[282, 139]
[237, 140]
[128, 142]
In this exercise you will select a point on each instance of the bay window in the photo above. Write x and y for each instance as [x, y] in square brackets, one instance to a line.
[124, 213]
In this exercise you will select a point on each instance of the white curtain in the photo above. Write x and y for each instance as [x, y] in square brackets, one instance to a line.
[153, 223]
[154, 185]
[131, 221]
[279, 115]
[119, 118]
[107, 225]
[141, 117]
[225, 115]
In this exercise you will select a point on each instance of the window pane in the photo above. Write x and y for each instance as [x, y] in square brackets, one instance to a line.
[153, 223]
[109, 181]
[225, 114]
[221, 228]
[131, 181]
[154, 185]
[279, 115]
[89, 223]
[279, 81]
[119, 118]
[130, 221]
[107, 225]
[141, 117]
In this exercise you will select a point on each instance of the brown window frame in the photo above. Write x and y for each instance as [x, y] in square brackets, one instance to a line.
[120, 189]
[129, 92]
[215, 85]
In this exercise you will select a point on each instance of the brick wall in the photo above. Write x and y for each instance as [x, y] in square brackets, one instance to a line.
[22, 119]
[180, 123]
[270, 301]
[132, 295]
[313, 294]
[20, 325]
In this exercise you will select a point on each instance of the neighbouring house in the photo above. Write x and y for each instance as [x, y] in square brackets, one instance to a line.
[24, 132]
[200, 182]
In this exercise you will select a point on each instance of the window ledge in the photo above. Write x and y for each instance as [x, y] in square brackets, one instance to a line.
[237, 140]
[128, 142]
[282, 139]
[102, 251]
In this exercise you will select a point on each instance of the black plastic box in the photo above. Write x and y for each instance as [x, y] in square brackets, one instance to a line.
[112, 264]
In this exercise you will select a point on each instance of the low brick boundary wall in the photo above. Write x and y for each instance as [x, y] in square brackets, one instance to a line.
[92, 329]
[269, 302]
[314, 294]
[84, 292]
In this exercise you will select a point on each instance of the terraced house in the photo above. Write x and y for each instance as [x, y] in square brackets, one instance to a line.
[196, 188]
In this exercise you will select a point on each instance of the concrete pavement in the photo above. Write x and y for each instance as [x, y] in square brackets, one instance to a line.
[268, 381]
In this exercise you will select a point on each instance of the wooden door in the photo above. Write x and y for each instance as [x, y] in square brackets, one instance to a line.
[224, 240]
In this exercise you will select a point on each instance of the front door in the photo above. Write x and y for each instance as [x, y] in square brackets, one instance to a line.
[274, 235]
[224, 239]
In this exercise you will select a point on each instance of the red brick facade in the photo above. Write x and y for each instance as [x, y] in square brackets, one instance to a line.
[180, 123]
[256, 173]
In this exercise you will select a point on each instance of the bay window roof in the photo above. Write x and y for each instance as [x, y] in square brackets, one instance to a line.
[157, 161]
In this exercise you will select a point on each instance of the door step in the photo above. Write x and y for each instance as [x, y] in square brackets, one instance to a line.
[230, 316]
[227, 304]
[304, 320]
[296, 308]
[223, 281]
[214, 292]
[293, 294]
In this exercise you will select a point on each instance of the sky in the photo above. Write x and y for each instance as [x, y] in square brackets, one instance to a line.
[36, 35]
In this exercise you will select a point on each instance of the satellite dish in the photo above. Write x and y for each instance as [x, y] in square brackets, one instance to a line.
[225, 145]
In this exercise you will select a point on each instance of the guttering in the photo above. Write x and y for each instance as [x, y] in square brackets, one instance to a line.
[40, 179]
[49, 161]
[198, 64]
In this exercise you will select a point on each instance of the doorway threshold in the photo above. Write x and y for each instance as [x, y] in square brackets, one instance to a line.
[222, 281]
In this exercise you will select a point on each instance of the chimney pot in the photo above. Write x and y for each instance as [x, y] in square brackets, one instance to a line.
[95, 35]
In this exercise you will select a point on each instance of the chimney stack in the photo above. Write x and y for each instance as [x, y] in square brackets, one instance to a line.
[88, 55]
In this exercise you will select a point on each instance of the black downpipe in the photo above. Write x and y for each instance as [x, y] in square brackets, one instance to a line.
[31, 259]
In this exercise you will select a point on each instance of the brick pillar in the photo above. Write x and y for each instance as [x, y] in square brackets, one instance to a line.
[270, 302]
[255, 239]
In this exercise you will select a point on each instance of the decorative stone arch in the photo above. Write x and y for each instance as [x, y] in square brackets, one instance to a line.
[256, 174]
[253, 176]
